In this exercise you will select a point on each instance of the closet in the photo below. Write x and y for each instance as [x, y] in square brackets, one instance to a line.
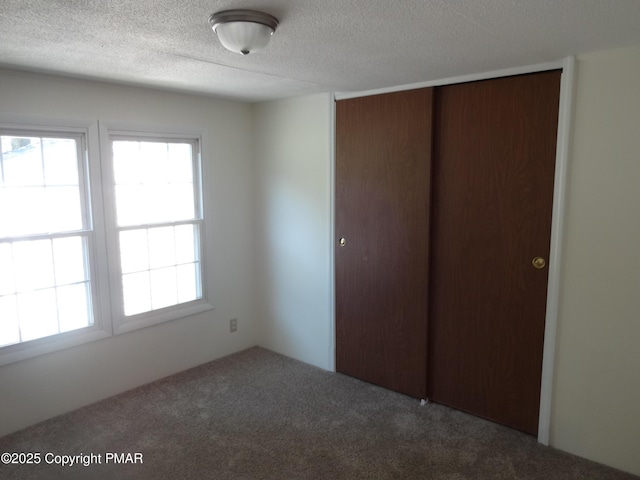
[383, 163]
[443, 219]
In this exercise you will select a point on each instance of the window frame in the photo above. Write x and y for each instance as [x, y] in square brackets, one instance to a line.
[95, 170]
[86, 133]
[121, 323]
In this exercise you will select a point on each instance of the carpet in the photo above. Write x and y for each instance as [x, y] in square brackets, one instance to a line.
[260, 415]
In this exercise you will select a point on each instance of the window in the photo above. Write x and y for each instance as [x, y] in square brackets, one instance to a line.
[96, 241]
[45, 236]
[158, 223]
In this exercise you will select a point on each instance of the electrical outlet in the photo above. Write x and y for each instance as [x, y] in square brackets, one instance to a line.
[233, 325]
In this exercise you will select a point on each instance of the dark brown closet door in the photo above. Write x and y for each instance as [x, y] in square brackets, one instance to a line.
[494, 157]
[383, 149]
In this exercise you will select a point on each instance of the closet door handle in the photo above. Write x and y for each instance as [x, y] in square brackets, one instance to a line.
[538, 262]
[342, 242]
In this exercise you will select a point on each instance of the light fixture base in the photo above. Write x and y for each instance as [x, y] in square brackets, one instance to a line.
[243, 31]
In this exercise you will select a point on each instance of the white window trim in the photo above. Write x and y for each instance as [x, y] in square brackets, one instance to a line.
[121, 323]
[101, 327]
[100, 197]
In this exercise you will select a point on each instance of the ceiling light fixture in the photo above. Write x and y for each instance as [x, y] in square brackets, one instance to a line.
[243, 31]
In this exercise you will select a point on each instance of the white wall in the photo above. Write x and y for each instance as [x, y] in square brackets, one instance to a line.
[39, 388]
[596, 407]
[275, 158]
[596, 396]
[293, 241]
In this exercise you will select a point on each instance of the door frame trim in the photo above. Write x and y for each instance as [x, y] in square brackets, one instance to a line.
[332, 230]
[568, 66]
[565, 111]
[507, 72]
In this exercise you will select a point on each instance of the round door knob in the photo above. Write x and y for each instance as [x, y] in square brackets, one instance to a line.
[538, 262]
[343, 242]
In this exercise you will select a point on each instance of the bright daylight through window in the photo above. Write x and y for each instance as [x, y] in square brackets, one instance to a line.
[80, 263]
[158, 223]
[45, 234]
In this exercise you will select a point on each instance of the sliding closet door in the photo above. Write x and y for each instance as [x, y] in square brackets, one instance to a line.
[493, 173]
[383, 148]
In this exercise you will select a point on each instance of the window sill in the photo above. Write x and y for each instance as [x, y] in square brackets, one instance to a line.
[42, 346]
[149, 319]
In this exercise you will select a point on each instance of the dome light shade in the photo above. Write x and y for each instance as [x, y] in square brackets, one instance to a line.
[243, 31]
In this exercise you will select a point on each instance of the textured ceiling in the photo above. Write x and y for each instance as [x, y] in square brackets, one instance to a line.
[320, 45]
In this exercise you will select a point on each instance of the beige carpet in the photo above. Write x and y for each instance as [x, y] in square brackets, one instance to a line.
[258, 415]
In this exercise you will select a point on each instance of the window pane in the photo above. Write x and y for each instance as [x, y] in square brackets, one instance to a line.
[130, 203]
[188, 282]
[60, 161]
[32, 211]
[163, 288]
[126, 162]
[30, 163]
[155, 162]
[9, 327]
[73, 308]
[22, 211]
[62, 209]
[35, 210]
[6, 214]
[154, 203]
[7, 280]
[153, 182]
[33, 265]
[157, 207]
[182, 204]
[68, 256]
[23, 163]
[180, 163]
[136, 292]
[134, 255]
[162, 248]
[38, 314]
[186, 249]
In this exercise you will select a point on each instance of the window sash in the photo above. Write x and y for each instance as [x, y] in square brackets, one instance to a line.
[85, 233]
[123, 322]
[70, 308]
[81, 164]
[194, 142]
